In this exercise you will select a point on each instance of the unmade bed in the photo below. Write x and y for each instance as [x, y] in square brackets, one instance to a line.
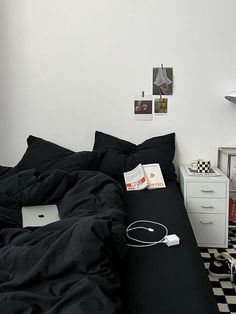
[81, 264]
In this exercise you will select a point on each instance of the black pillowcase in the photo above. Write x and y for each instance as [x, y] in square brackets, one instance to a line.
[44, 155]
[120, 155]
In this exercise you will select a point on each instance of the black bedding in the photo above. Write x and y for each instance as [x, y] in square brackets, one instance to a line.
[81, 264]
[69, 266]
[161, 279]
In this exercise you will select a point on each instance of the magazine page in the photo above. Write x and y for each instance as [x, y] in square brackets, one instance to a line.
[154, 176]
[135, 179]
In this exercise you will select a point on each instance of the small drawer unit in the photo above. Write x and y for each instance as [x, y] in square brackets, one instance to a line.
[206, 200]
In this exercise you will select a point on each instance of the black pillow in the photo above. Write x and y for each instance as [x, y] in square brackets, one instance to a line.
[44, 155]
[120, 155]
[106, 141]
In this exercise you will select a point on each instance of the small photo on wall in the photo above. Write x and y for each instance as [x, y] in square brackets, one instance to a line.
[143, 109]
[162, 81]
[160, 106]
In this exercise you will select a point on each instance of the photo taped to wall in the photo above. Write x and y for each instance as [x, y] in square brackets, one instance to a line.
[162, 81]
[160, 106]
[143, 109]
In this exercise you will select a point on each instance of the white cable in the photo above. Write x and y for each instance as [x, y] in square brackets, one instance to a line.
[144, 243]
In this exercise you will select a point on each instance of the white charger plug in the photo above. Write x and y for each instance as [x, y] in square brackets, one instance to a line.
[171, 240]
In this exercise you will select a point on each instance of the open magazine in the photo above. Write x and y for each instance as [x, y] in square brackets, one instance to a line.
[144, 176]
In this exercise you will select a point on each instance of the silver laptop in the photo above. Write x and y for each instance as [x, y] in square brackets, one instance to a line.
[37, 216]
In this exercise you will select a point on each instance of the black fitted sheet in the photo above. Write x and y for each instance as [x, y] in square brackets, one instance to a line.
[161, 279]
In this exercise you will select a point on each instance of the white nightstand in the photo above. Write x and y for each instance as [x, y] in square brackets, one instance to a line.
[207, 200]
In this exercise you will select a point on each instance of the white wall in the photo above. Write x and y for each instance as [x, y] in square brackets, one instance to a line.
[69, 67]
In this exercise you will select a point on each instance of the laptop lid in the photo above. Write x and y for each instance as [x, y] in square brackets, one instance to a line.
[37, 216]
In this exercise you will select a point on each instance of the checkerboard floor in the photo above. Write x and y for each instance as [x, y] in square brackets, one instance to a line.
[222, 288]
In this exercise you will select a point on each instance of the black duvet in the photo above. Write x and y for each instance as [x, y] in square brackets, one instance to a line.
[69, 266]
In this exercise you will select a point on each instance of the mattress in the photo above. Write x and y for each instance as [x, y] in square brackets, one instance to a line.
[162, 279]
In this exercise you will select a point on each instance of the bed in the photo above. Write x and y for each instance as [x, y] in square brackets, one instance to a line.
[158, 279]
[81, 264]
[162, 279]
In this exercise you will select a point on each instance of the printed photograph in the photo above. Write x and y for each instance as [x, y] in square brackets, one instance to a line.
[142, 107]
[160, 106]
[162, 81]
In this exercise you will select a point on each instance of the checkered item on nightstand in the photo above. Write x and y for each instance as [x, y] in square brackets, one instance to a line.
[203, 166]
[222, 288]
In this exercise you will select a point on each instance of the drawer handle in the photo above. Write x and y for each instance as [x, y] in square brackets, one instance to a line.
[207, 190]
[206, 222]
[207, 206]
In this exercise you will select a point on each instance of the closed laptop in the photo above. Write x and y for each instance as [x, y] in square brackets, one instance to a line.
[37, 216]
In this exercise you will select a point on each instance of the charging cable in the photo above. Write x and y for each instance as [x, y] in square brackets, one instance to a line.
[169, 240]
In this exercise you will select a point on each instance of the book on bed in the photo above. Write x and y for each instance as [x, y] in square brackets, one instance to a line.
[144, 176]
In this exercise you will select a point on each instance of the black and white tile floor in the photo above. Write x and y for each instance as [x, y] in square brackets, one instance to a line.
[222, 288]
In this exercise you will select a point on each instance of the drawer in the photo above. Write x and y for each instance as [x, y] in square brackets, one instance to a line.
[208, 228]
[206, 205]
[206, 189]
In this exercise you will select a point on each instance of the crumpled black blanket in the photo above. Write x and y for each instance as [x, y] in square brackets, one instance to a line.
[69, 266]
